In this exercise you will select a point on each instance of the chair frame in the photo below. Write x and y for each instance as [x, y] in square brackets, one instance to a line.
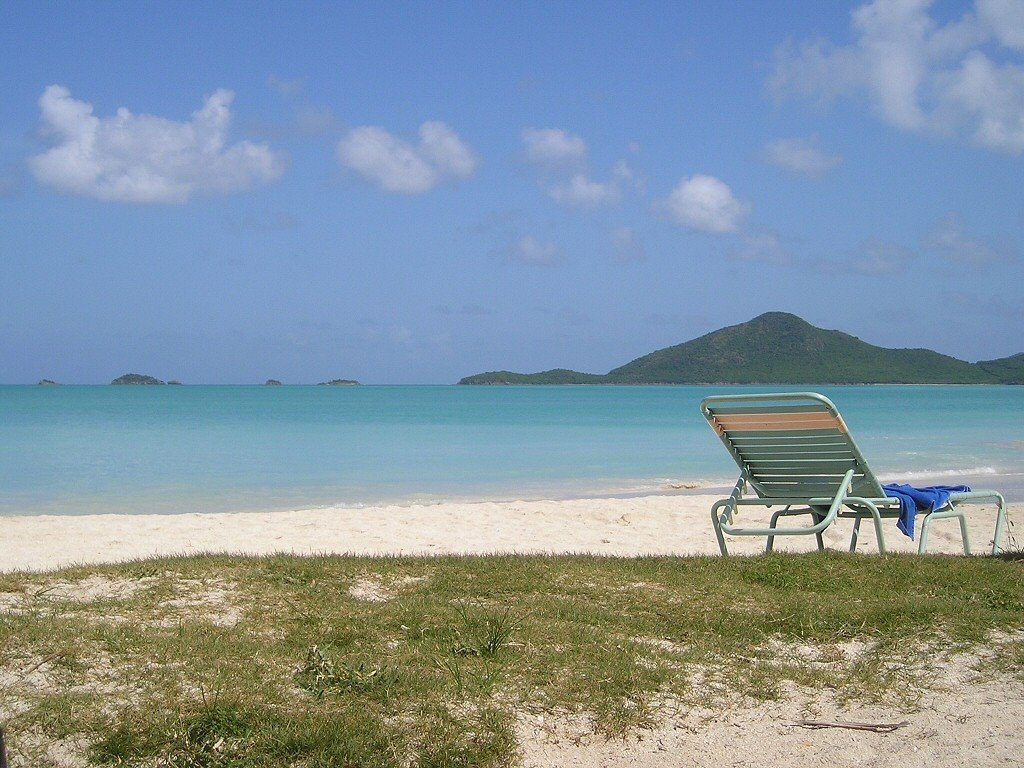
[840, 502]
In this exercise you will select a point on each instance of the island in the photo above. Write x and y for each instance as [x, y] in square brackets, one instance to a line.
[48, 383]
[136, 379]
[339, 383]
[272, 383]
[780, 348]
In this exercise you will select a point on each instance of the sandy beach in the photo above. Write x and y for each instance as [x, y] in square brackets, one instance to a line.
[656, 524]
[966, 717]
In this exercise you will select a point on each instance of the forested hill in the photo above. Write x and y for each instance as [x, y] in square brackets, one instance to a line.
[780, 348]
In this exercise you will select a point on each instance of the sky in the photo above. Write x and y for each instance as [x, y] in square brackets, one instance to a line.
[406, 193]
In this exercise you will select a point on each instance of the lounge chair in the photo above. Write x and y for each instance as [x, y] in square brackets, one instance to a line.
[794, 450]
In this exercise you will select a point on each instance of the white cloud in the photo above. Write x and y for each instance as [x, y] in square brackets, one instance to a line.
[553, 147]
[529, 250]
[626, 245]
[801, 155]
[953, 243]
[146, 159]
[398, 166]
[919, 75]
[583, 192]
[1006, 20]
[706, 204]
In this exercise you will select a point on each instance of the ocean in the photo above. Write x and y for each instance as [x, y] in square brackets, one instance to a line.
[72, 450]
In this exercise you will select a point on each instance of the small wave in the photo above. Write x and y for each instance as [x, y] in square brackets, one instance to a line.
[927, 473]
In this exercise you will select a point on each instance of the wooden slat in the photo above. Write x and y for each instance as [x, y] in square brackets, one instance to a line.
[777, 421]
[781, 434]
[746, 409]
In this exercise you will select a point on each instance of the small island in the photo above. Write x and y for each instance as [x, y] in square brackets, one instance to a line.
[48, 383]
[136, 379]
[175, 382]
[272, 383]
[339, 383]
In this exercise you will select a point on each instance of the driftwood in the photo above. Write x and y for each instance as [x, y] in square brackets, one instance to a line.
[875, 727]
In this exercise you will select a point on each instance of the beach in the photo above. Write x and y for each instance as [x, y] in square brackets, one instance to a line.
[661, 524]
[963, 713]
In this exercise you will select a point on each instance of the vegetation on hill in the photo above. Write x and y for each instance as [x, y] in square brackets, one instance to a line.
[781, 348]
[555, 376]
[1009, 370]
[339, 383]
[136, 378]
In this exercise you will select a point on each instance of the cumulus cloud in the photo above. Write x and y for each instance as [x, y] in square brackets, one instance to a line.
[957, 78]
[396, 165]
[146, 159]
[553, 147]
[561, 159]
[529, 250]
[626, 245]
[584, 192]
[951, 241]
[705, 204]
[802, 156]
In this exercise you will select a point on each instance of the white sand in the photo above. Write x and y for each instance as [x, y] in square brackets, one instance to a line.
[659, 524]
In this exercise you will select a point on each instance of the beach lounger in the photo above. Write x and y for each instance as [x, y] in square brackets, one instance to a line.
[796, 454]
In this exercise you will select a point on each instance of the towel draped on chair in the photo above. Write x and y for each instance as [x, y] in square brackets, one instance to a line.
[914, 500]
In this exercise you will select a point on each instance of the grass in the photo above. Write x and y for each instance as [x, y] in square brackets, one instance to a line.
[230, 662]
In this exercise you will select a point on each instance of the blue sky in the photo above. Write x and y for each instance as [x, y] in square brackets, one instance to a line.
[411, 193]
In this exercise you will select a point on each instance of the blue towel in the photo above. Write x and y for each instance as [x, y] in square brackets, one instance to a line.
[914, 500]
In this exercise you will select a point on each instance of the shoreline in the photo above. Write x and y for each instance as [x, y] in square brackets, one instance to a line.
[668, 523]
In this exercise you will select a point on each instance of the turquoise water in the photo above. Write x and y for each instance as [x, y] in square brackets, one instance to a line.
[87, 449]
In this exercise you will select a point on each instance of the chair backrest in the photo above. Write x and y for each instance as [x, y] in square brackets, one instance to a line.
[791, 444]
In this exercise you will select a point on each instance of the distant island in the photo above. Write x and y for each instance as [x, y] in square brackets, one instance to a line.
[780, 348]
[136, 378]
[272, 383]
[48, 383]
[339, 383]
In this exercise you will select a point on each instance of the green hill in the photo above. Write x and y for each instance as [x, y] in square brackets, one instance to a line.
[1009, 370]
[780, 348]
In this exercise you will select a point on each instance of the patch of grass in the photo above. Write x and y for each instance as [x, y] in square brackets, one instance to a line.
[306, 674]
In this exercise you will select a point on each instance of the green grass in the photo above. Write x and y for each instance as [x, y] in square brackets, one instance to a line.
[230, 662]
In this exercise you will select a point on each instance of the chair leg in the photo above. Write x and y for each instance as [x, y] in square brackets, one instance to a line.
[964, 535]
[1000, 523]
[717, 524]
[855, 536]
[774, 523]
[922, 540]
[876, 518]
[817, 519]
